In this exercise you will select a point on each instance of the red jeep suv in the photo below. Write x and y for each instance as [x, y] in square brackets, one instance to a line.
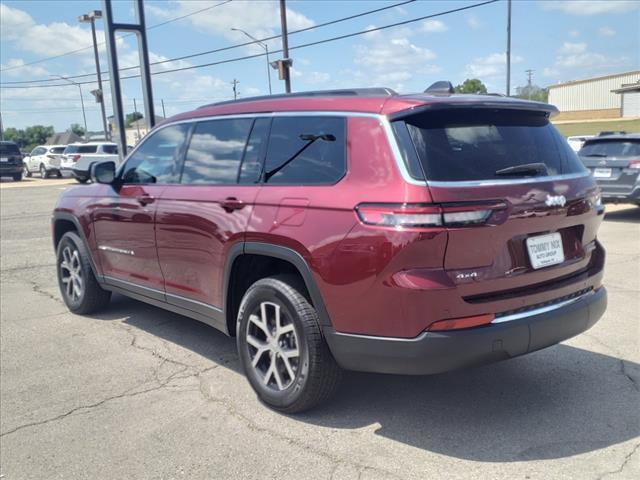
[349, 229]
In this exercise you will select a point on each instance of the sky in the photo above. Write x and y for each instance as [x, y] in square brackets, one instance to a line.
[559, 40]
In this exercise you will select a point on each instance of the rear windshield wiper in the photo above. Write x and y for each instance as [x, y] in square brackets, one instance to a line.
[307, 137]
[532, 169]
[596, 155]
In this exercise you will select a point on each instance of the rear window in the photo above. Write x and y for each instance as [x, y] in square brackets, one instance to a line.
[57, 150]
[110, 149]
[611, 148]
[81, 149]
[9, 149]
[469, 145]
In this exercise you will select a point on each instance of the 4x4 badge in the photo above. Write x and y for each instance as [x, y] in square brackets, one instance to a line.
[558, 200]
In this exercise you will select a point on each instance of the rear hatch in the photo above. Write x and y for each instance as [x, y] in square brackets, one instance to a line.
[614, 162]
[10, 154]
[523, 210]
[74, 154]
[55, 156]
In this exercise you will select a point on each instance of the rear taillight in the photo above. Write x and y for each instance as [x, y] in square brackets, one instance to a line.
[401, 216]
[75, 158]
[51, 157]
[460, 323]
[635, 164]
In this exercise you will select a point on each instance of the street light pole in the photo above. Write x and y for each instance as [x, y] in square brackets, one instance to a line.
[91, 18]
[266, 49]
[285, 47]
[84, 117]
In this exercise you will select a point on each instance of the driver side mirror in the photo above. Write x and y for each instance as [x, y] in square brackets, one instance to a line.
[103, 172]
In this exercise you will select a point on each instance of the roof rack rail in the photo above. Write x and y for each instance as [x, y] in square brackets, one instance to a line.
[350, 92]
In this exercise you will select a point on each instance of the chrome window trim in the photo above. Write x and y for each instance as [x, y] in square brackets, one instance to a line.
[538, 311]
[384, 122]
[506, 181]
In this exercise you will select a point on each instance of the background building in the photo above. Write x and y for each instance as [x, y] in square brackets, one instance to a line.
[611, 96]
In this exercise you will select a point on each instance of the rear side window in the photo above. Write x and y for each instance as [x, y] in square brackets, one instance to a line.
[56, 150]
[158, 159]
[469, 145]
[215, 152]
[306, 151]
[9, 149]
[81, 149]
[611, 148]
[110, 149]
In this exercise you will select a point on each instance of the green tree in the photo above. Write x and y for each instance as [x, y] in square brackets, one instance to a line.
[14, 135]
[37, 135]
[131, 117]
[533, 92]
[471, 85]
[77, 129]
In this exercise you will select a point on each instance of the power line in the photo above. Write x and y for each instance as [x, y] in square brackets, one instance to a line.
[306, 45]
[72, 52]
[230, 47]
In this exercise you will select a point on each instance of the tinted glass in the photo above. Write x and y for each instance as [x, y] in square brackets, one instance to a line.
[56, 150]
[298, 156]
[256, 146]
[611, 148]
[9, 149]
[38, 151]
[215, 151]
[81, 149]
[110, 149]
[460, 145]
[157, 160]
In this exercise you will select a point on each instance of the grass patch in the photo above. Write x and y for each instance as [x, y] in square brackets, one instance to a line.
[593, 128]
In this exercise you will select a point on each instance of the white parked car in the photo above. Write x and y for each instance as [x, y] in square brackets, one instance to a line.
[576, 141]
[78, 157]
[44, 159]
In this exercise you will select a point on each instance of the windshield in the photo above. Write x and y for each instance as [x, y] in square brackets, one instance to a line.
[611, 148]
[81, 149]
[468, 145]
[9, 149]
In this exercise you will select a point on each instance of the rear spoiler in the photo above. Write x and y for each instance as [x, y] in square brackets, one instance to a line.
[526, 106]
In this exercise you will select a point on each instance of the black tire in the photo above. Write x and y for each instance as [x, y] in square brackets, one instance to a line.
[81, 179]
[317, 375]
[17, 177]
[92, 297]
[43, 172]
[59, 174]
[25, 171]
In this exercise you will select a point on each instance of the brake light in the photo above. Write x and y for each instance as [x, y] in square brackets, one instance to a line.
[75, 158]
[635, 164]
[460, 323]
[52, 157]
[426, 215]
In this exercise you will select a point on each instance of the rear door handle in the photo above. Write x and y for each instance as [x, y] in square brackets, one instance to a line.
[145, 199]
[231, 203]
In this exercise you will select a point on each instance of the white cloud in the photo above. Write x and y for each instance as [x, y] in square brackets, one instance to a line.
[591, 7]
[491, 65]
[572, 48]
[473, 22]
[15, 68]
[397, 52]
[260, 19]
[606, 31]
[433, 26]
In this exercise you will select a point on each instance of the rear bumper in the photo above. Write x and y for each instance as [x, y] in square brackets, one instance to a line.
[436, 352]
[613, 193]
[9, 169]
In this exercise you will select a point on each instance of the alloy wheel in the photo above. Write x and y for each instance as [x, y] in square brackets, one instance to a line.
[71, 273]
[273, 346]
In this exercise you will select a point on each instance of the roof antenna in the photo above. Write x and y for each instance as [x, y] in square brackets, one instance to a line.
[442, 87]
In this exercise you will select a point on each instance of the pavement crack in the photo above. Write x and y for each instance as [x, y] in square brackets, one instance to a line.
[626, 460]
[623, 370]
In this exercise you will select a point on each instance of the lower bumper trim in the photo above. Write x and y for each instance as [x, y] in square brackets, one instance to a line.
[437, 352]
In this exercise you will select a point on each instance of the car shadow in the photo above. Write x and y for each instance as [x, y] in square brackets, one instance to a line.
[559, 402]
[627, 215]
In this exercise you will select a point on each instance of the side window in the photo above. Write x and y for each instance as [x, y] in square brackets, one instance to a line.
[110, 149]
[254, 153]
[158, 158]
[306, 151]
[38, 151]
[215, 152]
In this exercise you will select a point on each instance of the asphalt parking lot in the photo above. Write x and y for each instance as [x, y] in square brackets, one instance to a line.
[137, 392]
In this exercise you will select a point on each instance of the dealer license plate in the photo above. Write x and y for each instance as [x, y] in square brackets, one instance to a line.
[602, 173]
[545, 250]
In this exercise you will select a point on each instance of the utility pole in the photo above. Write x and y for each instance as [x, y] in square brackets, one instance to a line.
[84, 116]
[163, 112]
[266, 49]
[235, 91]
[529, 84]
[508, 48]
[135, 109]
[91, 18]
[1, 128]
[285, 47]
